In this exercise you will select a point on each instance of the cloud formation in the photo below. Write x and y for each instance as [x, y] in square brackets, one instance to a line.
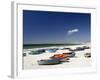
[72, 31]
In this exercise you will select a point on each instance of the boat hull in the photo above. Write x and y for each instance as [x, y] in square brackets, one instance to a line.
[48, 62]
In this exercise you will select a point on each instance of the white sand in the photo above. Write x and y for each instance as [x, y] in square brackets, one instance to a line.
[30, 61]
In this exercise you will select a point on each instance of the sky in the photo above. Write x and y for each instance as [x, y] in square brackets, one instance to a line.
[41, 27]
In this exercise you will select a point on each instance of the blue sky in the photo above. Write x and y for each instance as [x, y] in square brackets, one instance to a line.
[55, 27]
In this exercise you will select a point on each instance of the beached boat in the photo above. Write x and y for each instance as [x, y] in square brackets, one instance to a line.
[51, 50]
[63, 51]
[24, 54]
[66, 52]
[67, 49]
[60, 57]
[79, 49]
[86, 47]
[48, 62]
[41, 50]
[71, 54]
[64, 60]
[87, 55]
[34, 53]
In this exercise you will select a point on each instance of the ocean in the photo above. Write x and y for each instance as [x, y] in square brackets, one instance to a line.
[29, 46]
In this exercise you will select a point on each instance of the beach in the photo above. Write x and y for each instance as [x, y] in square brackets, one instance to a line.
[30, 61]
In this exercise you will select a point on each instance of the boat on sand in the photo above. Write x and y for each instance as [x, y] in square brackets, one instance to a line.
[48, 62]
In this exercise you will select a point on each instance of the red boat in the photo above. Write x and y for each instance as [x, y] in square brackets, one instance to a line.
[60, 57]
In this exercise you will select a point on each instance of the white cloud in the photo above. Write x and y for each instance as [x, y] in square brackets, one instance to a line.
[72, 31]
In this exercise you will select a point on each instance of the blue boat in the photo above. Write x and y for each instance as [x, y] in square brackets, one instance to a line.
[51, 50]
[35, 52]
[48, 62]
[79, 49]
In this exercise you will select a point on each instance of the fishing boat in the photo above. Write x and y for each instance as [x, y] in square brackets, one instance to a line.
[60, 57]
[87, 55]
[48, 62]
[67, 49]
[66, 52]
[24, 54]
[51, 50]
[86, 47]
[79, 49]
[71, 54]
[41, 50]
[34, 53]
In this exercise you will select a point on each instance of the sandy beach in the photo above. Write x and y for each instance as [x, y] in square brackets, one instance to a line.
[30, 61]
